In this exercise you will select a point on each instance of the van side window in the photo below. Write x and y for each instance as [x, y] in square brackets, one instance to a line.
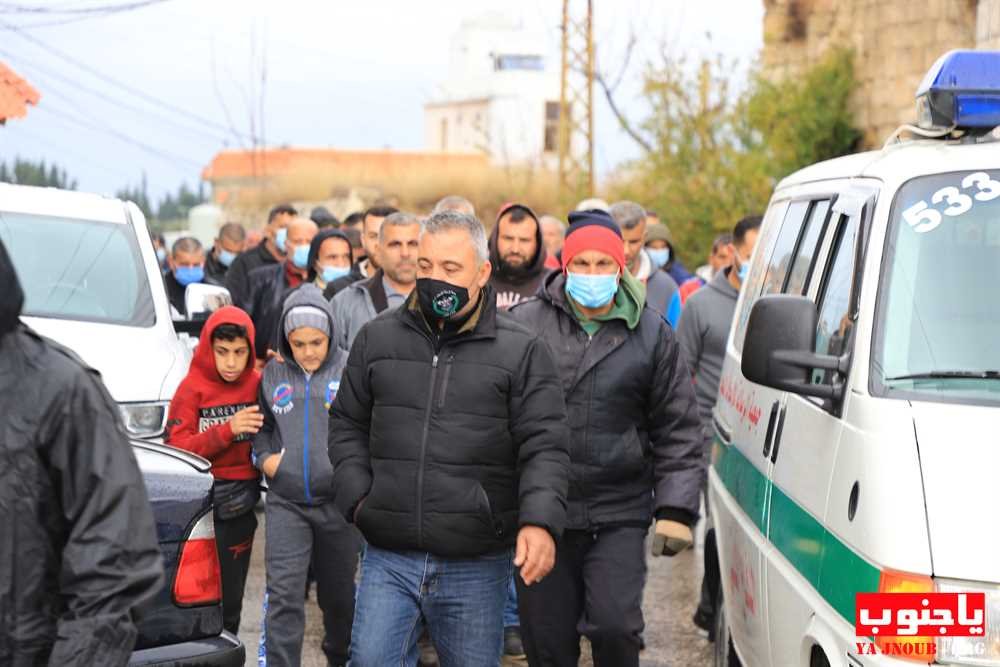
[765, 242]
[784, 247]
[834, 326]
[798, 277]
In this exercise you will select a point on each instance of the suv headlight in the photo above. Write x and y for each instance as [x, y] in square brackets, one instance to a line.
[144, 420]
[972, 650]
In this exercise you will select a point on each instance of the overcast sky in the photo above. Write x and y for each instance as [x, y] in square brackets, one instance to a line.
[340, 73]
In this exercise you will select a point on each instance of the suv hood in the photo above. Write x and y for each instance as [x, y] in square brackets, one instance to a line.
[959, 459]
[134, 362]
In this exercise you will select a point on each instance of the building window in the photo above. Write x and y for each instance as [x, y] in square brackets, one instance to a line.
[444, 135]
[551, 127]
[518, 62]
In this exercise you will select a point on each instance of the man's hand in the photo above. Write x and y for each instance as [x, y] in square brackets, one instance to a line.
[271, 463]
[671, 538]
[271, 354]
[535, 554]
[247, 420]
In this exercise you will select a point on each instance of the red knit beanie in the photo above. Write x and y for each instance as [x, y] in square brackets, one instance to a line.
[593, 230]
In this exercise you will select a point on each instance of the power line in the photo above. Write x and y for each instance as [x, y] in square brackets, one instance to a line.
[114, 82]
[38, 70]
[152, 150]
[18, 8]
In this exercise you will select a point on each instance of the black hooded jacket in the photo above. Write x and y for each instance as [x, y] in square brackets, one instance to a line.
[635, 439]
[453, 442]
[78, 546]
[514, 285]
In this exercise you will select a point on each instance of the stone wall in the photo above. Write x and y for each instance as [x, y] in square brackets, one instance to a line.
[895, 42]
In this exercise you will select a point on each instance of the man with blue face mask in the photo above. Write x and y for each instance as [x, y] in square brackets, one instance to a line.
[270, 251]
[703, 331]
[270, 284]
[186, 265]
[227, 246]
[635, 450]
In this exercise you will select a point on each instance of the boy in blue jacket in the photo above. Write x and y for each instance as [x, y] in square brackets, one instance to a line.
[302, 525]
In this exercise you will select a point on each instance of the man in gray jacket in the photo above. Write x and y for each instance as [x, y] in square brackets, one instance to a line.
[660, 287]
[302, 523]
[703, 331]
[356, 305]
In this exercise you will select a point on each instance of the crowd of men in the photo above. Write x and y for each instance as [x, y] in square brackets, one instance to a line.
[487, 423]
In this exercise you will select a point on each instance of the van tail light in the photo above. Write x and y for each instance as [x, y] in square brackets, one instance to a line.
[198, 580]
[923, 647]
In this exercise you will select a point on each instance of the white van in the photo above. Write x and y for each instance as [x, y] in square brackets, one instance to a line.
[858, 422]
[92, 283]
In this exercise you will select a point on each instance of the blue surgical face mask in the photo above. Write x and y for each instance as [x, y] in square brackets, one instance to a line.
[744, 271]
[300, 257]
[186, 275]
[226, 257]
[658, 256]
[161, 255]
[592, 291]
[331, 273]
[280, 238]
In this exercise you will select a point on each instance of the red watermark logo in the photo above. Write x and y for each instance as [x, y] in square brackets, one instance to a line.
[905, 624]
[920, 614]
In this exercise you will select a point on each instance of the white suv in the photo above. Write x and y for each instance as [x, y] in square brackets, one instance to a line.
[92, 283]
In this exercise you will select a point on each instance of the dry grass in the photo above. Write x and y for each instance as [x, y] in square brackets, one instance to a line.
[411, 190]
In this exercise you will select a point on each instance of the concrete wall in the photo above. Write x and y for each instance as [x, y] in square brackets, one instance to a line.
[895, 42]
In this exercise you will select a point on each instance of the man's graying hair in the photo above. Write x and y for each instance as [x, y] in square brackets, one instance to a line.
[398, 219]
[454, 203]
[187, 244]
[448, 220]
[627, 214]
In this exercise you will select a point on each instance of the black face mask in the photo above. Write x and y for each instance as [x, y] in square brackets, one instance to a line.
[441, 300]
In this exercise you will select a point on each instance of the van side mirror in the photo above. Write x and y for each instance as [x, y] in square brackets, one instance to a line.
[778, 349]
[200, 301]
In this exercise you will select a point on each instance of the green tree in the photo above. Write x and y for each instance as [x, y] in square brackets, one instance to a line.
[26, 172]
[715, 156]
[138, 194]
[176, 207]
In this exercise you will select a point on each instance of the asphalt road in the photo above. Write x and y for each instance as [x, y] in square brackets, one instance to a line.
[671, 594]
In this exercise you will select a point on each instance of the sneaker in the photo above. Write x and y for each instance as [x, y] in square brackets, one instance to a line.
[512, 645]
[705, 622]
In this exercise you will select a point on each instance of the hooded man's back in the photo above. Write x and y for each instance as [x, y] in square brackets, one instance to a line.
[71, 491]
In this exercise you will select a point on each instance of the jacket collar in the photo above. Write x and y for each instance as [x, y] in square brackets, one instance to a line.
[481, 324]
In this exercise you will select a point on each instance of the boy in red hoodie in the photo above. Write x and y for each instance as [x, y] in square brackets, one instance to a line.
[214, 414]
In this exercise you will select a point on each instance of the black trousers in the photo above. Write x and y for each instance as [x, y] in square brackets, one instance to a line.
[594, 590]
[234, 542]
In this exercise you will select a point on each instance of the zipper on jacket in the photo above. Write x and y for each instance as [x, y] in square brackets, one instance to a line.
[444, 382]
[423, 454]
[305, 448]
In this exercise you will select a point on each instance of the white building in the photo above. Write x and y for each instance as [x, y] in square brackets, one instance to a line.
[501, 97]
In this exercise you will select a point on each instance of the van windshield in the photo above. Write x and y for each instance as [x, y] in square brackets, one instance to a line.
[78, 269]
[939, 333]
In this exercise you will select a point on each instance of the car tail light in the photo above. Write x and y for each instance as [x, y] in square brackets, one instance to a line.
[198, 580]
[905, 582]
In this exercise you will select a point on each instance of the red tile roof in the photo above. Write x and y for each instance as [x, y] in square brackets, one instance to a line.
[15, 94]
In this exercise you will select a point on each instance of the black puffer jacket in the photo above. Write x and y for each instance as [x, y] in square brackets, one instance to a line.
[453, 449]
[78, 547]
[634, 427]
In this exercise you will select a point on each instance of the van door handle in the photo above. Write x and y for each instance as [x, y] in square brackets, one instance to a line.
[777, 436]
[770, 429]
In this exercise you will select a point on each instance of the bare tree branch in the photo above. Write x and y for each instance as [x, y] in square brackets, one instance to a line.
[609, 94]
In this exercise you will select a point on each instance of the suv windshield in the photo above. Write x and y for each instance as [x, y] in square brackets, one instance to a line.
[940, 306]
[78, 269]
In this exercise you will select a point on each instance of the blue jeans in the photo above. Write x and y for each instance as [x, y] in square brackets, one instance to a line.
[510, 617]
[460, 600]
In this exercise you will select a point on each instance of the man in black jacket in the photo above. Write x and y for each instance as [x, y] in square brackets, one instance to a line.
[225, 250]
[635, 450]
[268, 252]
[449, 444]
[78, 552]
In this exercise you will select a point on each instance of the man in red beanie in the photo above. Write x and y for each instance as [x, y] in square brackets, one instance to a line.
[214, 414]
[635, 450]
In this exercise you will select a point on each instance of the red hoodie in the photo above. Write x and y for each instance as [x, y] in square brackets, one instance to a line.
[204, 403]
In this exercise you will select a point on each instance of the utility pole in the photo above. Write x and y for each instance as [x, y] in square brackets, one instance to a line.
[576, 102]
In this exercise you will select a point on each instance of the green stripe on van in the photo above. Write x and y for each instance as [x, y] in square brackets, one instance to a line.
[835, 570]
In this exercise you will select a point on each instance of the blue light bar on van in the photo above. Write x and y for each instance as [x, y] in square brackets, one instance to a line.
[961, 90]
